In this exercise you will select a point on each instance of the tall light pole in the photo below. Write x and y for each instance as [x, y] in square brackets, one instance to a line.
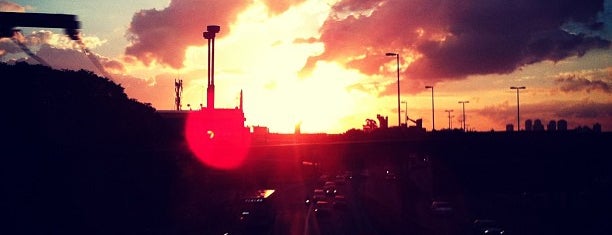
[406, 112]
[518, 117]
[433, 119]
[463, 104]
[449, 118]
[399, 120]
[212, 30]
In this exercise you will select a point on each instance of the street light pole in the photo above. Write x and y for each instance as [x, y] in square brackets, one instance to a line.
[399, 120]
[433, 119]
[406, 112]
[518, 117]
[463, 104]
[212, 30]
[449, 118]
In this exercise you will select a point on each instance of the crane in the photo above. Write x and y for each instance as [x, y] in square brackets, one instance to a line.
[418, 122]
[10, 20]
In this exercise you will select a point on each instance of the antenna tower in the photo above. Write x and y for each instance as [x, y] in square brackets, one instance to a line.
[178, 89]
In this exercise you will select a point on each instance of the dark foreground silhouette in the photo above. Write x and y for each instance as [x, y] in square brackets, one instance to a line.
[81, 157]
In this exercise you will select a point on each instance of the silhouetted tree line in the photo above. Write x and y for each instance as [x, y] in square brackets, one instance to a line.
[81, 156]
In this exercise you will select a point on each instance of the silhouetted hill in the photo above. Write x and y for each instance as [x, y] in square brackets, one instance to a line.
[79, 158]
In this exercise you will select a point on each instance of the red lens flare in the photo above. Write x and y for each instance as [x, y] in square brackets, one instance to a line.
[216, 139]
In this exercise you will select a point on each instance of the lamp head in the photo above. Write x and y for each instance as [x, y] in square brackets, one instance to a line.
[213, 28]
[391, 54]
[208, 35]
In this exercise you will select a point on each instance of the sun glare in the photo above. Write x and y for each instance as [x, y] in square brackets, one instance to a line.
[215, 144]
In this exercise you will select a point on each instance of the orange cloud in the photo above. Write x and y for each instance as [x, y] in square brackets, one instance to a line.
[163, 36]
[8, 6]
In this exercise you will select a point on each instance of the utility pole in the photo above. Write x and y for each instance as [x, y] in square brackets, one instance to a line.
[449, 118]
[405, 112]
[433, 118]
[399, 120]
[518, 117]
[463, 104]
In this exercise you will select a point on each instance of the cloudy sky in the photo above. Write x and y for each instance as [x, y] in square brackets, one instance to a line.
[323, 63]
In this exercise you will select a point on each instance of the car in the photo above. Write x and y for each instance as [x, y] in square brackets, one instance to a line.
[348, 175]
[340, 179]
[323, 178]
[322, 209]
[441, 208]
[258, 209]
[494, 231]
[330, 188]
[487, 226]
[339, 202]
[390, 175]
[317, 195]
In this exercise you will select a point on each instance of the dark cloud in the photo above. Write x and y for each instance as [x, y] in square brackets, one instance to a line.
[113, 65]
[574, 83]
[457, 38]
[598, 112]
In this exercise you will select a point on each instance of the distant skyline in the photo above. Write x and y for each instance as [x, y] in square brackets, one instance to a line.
[322, 63]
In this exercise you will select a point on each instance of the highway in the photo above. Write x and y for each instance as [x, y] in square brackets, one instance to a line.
[376, 199]
[389, 192]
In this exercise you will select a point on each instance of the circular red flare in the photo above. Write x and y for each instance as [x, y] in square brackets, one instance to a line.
[215, 144]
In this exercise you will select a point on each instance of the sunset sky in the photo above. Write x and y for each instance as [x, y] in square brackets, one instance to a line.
[323, 63]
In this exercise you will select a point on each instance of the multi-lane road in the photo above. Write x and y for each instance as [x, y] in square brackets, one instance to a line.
[386, 192]
[378, 198]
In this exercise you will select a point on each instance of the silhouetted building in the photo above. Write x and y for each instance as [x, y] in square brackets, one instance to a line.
[597, 128]
[384, 121]
[583, 129]
[509, 128]
[528, 125]
[537, 125]
[261, 130]
[229, 119]
[562, 125]
[552, 126]
[260, 134]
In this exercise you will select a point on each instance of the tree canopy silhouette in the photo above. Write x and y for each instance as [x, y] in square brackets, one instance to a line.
[83, 156]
